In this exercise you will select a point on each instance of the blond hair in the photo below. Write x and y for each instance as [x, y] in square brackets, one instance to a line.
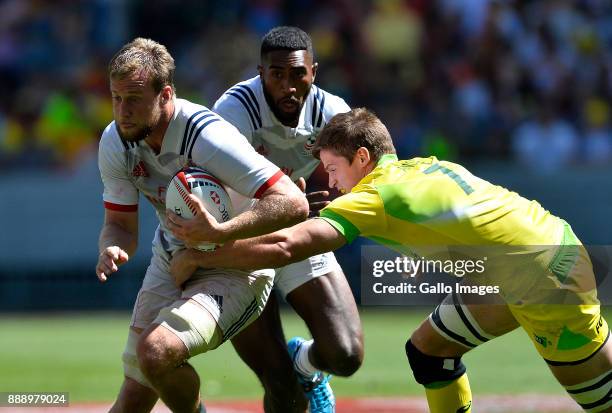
[144, 54]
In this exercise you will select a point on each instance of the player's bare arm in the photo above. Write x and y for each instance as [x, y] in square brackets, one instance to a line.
[118, 240]
[281, 205]
[274, 250]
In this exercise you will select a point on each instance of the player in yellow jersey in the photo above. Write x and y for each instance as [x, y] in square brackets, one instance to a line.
[546, 279]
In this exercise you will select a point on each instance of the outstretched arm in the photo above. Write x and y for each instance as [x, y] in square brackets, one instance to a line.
[274, 250]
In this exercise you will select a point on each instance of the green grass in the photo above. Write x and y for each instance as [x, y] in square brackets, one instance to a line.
[81, 354]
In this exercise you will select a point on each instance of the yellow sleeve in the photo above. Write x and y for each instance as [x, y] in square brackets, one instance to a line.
[357, 213]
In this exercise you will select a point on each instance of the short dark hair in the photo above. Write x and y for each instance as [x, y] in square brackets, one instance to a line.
[347, 132]
[286, 38]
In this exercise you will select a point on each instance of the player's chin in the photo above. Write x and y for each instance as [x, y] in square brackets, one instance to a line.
[289, 113]
[132, 135]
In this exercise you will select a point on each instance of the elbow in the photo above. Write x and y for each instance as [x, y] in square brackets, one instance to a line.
[301, 208]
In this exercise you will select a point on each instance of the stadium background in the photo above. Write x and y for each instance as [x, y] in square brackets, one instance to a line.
[518, 91]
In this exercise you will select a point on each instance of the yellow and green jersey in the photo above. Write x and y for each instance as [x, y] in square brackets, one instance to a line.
[420, 203]
[428, 202]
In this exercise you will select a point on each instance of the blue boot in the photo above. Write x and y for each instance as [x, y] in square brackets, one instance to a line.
[317, 388]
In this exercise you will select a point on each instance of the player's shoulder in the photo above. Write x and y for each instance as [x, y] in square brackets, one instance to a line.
[325, 105]
[111, 142]
[244, 99]
[187, 111]
[199, 123]
[195, 118]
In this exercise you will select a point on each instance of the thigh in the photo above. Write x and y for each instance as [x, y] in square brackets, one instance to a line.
[157, 291]
[327, 306]
[215, 306]
[461, 323]
[594, 366]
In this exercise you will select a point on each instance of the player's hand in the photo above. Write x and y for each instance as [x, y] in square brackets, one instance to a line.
[316, 199]
[183, 265]
[109, 261]
[203, 227]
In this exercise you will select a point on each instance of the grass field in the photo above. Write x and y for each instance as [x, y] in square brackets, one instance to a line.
[80, 354]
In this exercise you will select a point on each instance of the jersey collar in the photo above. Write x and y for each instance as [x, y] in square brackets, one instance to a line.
[173, 132]
[386, 159]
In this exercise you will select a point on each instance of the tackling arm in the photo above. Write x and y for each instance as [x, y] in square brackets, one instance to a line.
[274, 250]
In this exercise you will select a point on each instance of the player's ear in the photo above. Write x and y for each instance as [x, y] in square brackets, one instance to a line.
[166, 94]
[363, 156]
[260, 69]
[315, 66]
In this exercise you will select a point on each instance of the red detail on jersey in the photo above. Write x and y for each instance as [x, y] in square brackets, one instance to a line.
[140, 170]
[273, 179]
[215, 197]
[120, 208]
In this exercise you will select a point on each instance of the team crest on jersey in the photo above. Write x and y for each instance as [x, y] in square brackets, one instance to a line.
[309, 144]
[140, 170]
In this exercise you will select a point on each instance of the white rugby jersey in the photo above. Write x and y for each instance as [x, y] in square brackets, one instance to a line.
[196, 136]
[244, 105]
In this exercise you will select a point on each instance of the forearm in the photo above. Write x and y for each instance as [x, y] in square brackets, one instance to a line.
[267, 251]
[274, 250]
[115, 235]
[269, 214]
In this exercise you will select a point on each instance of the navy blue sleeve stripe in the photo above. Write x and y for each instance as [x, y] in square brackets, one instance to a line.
[320, 121]
[253, 98]
[314, 109]
[193, 141]
[248, 109]
[250, 98]
[187, 127]
[198, 120]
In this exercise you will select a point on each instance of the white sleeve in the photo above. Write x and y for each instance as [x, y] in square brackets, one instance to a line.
[235, 109]
[224, 152]
[120, 194]
[336, 105]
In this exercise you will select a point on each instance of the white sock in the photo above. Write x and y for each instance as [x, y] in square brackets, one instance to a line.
[302, 360]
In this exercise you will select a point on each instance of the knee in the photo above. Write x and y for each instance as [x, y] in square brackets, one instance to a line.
[431, 370]
[346, 357]
[157, 354]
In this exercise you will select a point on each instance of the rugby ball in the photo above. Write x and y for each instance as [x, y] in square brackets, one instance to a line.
[204, 186]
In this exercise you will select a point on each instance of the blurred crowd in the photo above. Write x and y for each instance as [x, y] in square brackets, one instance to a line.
[462, 79]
